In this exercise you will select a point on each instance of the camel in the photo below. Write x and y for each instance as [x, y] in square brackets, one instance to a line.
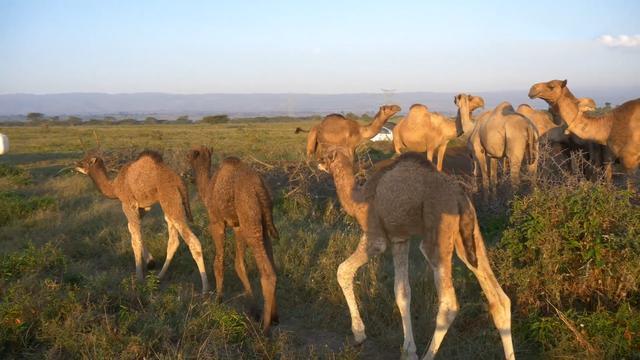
[404, 198]
[544, 122]
[552, 127]
[139, 185]
[619, 129]
[335, 129]
[498, 134]
[424, 131]
[236, 196]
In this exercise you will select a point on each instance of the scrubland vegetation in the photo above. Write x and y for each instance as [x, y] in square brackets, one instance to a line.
[567, 253]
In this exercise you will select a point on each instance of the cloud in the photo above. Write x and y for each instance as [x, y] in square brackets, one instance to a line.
[629, 41]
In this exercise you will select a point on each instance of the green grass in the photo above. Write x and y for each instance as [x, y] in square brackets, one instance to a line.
[67, 287]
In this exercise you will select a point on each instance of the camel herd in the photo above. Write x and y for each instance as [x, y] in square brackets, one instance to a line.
[405, 196]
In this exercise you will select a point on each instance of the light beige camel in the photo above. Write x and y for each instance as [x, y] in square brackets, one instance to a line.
[236, 196]
[337, 130]
[619, 129]
[404, 198]
[139, 185]
[551, 127]
[498, 134]
[543, 120]
[425, 131]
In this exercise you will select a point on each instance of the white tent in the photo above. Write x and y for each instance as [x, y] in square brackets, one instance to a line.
[4, 144]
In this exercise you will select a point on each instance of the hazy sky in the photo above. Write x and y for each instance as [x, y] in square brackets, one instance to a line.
[325, 47]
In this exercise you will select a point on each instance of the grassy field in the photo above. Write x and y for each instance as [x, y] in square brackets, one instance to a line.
[67, 287]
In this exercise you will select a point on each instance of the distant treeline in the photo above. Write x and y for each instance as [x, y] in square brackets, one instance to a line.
[39, 119]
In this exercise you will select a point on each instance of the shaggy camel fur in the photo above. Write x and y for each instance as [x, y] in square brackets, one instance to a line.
[236, 196]
[408, 197]
[497, 134]
[424, 131]
[336, 130]
[619, 129]
[139, 185]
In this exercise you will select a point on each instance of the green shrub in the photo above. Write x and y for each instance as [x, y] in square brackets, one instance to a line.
[15, 206]
[577, 250]
[15, 175]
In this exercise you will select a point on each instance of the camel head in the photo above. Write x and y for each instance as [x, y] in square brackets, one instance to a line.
[387, 111]
[549, 91]
[200, 157]
[335, 156]
[89, 163]
[586, 104]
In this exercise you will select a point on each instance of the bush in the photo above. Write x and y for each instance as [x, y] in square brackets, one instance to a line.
[574, 252]
[215, 119]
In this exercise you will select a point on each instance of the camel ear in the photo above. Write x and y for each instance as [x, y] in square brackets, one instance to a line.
[93, 160]
[455, 99]
[564, 83]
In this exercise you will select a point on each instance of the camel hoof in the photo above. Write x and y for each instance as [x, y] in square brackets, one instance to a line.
[151, 264]
[255, 313]
[275, 320]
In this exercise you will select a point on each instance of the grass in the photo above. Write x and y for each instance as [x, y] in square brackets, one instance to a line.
[67, 287]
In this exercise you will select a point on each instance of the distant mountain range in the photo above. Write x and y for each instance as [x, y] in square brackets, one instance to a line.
[238, 105]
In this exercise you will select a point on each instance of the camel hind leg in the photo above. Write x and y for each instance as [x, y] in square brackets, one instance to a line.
[241, 270]
[172, 246]
[499, 302]
[402, 289]
[437, 248]
[267, 276]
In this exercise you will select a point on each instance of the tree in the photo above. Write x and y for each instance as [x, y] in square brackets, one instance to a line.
[215, 119]
[74, 120]
[35, 116]
[184, 119]
[150, 120]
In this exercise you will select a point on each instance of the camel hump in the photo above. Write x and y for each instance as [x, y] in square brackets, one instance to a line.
[153, 155]
[524, 107]
[336, 116]
[419, 106]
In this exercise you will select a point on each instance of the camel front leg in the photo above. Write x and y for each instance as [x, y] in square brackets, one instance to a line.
[402, 289]
[133, 223]
[346, 272]
[441, 151]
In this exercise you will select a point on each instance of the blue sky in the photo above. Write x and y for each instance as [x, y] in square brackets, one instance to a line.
[321, 47]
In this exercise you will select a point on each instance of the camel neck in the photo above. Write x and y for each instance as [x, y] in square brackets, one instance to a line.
[99, 177]
[202, 182]
[345, 180]
[374, 127]
[463, 121]
[595, 129]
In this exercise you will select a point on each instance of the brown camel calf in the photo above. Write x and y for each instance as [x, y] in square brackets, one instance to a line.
[236, 196]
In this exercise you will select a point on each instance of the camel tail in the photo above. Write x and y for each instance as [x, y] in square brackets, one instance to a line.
[469, 231]
[184, 196]
[533, 145]
[266, 208]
